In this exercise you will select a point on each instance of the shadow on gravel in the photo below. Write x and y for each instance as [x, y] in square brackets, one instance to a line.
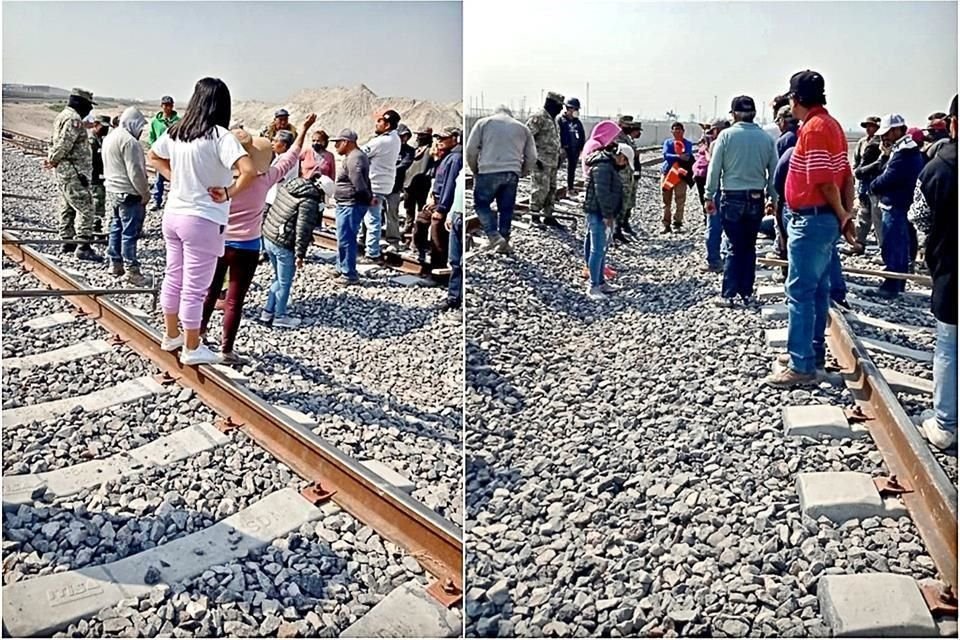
[376, 409]
[364, 317]
[483, 378]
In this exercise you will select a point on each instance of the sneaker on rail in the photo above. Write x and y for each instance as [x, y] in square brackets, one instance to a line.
[171, 344]
[266, 317]
[286, 322]
[84, 252]
[596, 293]
[116, 269]
[787, 378]
[937, 436]
[201, 355]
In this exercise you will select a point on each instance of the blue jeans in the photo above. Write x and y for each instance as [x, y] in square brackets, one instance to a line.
[713, 235]
[158, 189]
[284, 268]
[945, 376]
[348, 224]
[811, 244]
[455, 287]
[895, 249]
[374, 220]
[740, 215]
[126, 220]
[502, 187]
[595, 247]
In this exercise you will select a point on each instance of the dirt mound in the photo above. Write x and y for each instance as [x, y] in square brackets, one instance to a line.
[355, 108]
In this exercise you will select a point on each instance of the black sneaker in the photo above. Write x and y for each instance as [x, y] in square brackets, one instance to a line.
[84, 252]
[554, 223]
[450, 305]
[677, 226]
[68, 248]
[619, 237]
[627, 228]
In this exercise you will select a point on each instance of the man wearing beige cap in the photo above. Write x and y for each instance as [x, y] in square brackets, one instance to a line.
[70, 158]
[352, 194]
[867, 165]
[543, 126]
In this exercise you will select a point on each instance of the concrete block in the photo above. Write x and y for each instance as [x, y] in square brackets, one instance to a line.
[118, 394]
[776, 338]
[50, 321]
[407, 612]
[843, 495]
[820, 421]
[137, 312]
[408, 280]
[880, 323]
[774, 312]
[904, 383]
[882, 346]
[865, 304]
[44, 605]
[79, 351]
[9, 273]
[325, 255]
[770, 293]
[163, 451]
[389, 475]
[300, 418]
[365, 269]
[231, 373]
[874, 605]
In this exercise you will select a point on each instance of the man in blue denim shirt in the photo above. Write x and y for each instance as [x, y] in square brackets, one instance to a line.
[743, 163]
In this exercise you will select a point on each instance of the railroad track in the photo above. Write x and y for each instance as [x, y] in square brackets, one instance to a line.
[331, 485]
[669, 470]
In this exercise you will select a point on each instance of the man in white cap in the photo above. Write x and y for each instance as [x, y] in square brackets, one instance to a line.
[352, 194]
[894, 188]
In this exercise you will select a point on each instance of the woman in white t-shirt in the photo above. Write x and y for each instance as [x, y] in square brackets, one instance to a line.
[198, 155]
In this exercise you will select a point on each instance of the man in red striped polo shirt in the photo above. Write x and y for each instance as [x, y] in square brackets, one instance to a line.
[819, 194]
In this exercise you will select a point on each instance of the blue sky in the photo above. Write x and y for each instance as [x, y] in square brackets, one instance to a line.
[263, 50]
[644, 58]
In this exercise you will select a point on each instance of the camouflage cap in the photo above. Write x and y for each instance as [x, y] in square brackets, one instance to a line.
[105, 120]
[83, 93]
[555, 97]
[427, 131]
[627, 122]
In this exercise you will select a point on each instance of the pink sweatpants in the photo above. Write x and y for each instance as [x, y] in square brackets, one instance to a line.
[193, 246]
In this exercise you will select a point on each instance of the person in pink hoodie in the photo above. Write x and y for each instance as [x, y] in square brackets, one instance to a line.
[242, 241]
[601, 136]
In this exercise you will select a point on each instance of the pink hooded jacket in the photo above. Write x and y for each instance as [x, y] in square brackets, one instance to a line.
[602, 135]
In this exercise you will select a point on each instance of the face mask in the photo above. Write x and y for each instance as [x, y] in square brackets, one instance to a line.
[575, 113]
[318, 147]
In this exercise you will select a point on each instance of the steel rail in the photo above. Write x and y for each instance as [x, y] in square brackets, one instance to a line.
[893, 275]
[433, 541]
[931, 498]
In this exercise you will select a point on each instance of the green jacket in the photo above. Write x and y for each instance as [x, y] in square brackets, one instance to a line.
[159, 124]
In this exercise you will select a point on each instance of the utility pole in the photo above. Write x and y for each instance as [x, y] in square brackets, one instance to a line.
[586, 101]
[700, 112]
[481, 101]
[714, 107]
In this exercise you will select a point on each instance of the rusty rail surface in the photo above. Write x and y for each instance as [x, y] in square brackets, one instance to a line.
[435, 542]
[931, 498]
[876, 273]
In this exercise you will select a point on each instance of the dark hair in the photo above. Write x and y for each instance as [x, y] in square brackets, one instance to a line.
[209, 107]
[953, 107]
[811, 101]
[677, 124]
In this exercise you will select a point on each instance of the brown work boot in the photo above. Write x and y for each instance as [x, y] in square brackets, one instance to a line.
[787, 378]
[135, 277]
[116, 269]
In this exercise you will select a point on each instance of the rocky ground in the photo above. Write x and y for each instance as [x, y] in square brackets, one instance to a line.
[626, 473]
[378, 366]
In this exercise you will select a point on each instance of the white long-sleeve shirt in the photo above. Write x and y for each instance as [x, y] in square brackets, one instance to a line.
[382, 152]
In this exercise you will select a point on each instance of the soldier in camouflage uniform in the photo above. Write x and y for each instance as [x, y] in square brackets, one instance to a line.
[100, 130]
[70, 157]
[630, 130]
[546, 136]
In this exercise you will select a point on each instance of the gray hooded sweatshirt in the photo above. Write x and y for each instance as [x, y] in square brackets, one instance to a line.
[124, 164]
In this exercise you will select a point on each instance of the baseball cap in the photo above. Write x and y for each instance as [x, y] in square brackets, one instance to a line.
[742, 103]
[916, 134]
[447, 132]
[345, 134]
[166, 100]
[403, 130]
[872, 120]
[573, 103]
[279, 113]
[937, 125]
[937, 115]
[785, 113]
[105, 120]
[806, 84]
[391, 117]
[719, 123]
[890, 121]
[428, 131]
[626, 151]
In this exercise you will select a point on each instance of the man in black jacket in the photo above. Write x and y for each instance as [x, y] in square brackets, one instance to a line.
[416, 181]
[572, 137]
[101, 127]
[404, 160]
[934, 212]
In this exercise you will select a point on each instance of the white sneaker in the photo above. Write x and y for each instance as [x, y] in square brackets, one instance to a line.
[200, 355]
[286, 322]
[937, 435]
[266, 316]
[596, 293]
[606, 287]
[171, 344]
[720, 301]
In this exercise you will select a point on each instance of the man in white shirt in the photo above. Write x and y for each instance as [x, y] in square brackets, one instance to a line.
[382, 151]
